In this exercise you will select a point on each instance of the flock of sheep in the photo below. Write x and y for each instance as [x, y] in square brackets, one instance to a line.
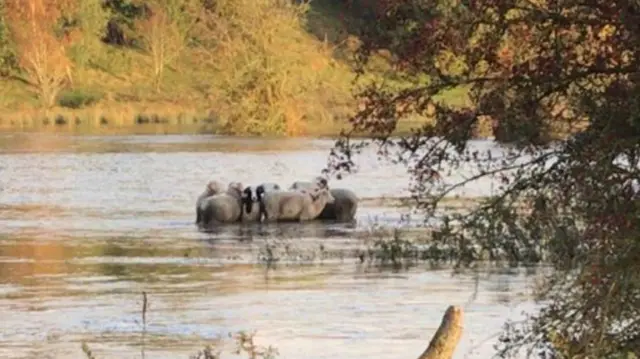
[303, 201]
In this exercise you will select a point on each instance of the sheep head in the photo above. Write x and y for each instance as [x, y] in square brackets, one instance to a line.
[214, 187]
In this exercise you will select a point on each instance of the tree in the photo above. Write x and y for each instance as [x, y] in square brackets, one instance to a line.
[90, 22]
[124, 14]
[538, 71]
[270, 74]
[8, 61]
[165, 32]
[41, 51]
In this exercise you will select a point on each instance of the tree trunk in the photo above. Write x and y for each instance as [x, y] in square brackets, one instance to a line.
[446, 338]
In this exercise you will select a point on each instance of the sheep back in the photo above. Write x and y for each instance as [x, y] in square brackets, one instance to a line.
[222, 208]
[284, 205]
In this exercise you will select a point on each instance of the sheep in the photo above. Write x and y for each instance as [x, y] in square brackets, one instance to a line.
[316, 182]
[251, 195]
[213, 187]
[343, 208]
[295, 205]
[223, 207]
[268, 186]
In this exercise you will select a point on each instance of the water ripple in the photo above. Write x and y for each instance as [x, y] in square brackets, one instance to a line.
[89, 223]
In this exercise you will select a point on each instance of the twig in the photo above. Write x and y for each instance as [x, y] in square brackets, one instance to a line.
[144, 311]
[144, 323]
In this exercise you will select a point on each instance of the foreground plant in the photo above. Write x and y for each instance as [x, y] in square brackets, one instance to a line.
[536, 72]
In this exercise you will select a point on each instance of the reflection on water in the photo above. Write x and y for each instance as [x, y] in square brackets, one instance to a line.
[88, 223]
[46, 143]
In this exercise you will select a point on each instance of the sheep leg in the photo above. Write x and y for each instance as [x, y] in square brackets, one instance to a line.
[263, 210]
[206, 217]
[269, 218]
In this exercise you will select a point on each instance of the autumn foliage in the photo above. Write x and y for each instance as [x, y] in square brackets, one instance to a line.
[41, 50]
[164, 31]
[271, 78]
[250, 67]
[539, 70]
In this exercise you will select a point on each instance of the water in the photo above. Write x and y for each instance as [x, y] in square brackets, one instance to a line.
[89, 223]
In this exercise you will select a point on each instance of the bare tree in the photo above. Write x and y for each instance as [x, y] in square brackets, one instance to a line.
[164, 33]
[42, 54]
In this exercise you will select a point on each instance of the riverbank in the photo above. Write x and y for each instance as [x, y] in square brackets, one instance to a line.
[300, 82]
[154, 124]
[167, 119]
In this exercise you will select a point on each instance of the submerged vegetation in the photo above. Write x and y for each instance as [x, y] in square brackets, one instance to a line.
[243, 67]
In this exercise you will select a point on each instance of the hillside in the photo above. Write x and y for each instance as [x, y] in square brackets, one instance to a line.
[238, 66]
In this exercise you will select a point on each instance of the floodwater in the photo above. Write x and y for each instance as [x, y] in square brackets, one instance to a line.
[89, 223]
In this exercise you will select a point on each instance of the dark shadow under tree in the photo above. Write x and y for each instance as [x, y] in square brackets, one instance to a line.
[537, 71]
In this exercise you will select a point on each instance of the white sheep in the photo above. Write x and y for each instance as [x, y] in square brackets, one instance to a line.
[213, 187]
[343, 208]
[223, 207]
[316, 182]
[295, 205]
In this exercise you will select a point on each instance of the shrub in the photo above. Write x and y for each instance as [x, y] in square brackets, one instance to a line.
[78, 98]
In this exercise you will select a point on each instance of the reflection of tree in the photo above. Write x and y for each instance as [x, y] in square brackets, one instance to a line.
[284, 230]
[40, 259]
[114, 269]
[502, 289]
[43, 143]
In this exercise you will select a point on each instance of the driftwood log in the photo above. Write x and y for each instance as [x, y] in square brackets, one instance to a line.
[446, 338]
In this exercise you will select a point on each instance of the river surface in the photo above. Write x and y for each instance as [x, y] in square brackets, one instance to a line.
[89, 223]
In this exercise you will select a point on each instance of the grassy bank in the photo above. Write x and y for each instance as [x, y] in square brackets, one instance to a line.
[155, 119]
[284, 74]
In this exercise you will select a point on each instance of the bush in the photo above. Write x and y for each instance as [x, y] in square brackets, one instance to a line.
[78, 98]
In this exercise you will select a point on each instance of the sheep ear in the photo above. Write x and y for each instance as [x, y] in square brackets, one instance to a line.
[212, 186]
